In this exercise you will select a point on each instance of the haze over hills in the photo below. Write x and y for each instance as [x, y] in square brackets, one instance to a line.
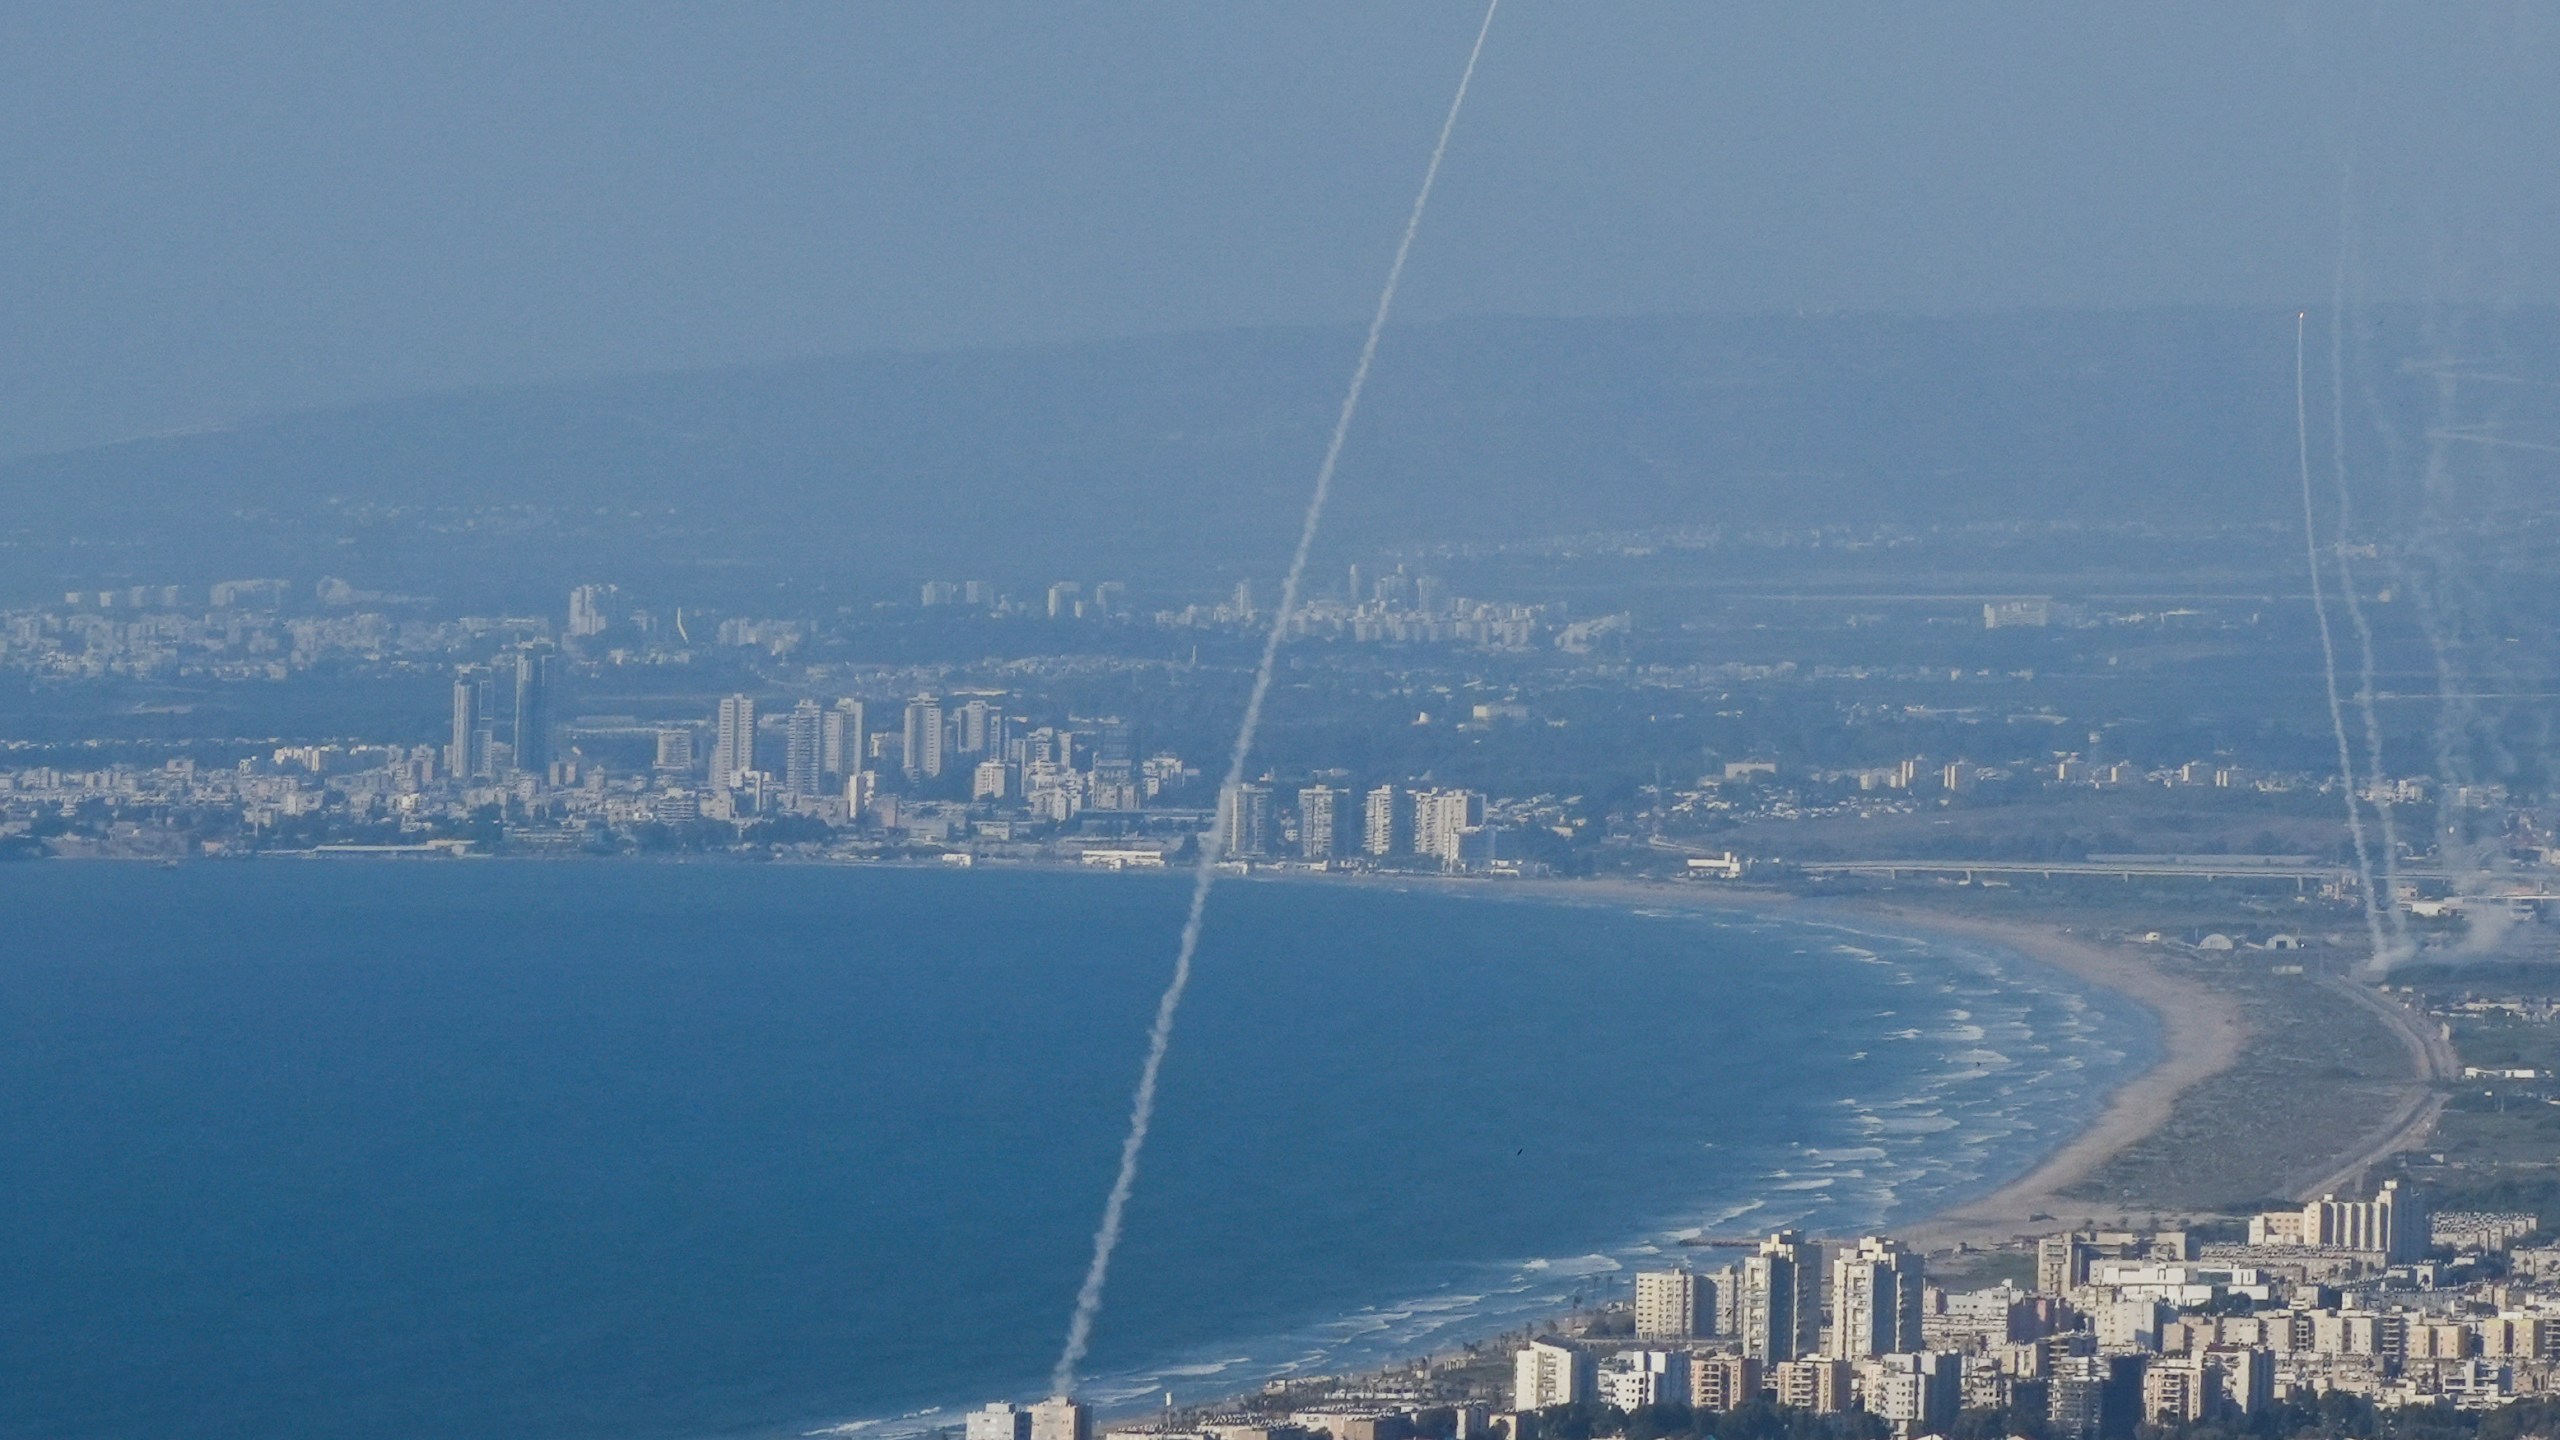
[1188, 456]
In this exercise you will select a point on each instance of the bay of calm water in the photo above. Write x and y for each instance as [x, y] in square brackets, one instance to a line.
[632, 1151]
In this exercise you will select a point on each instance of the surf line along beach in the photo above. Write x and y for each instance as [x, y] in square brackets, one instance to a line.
[2201, 1033]
[2202, 1030]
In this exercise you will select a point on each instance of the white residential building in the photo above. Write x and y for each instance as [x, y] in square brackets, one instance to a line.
[1378, 822]
[1545, 1373]
[1000, 1421]
[733, 750]
[1061, 1419]
[1440, 818]
[1675, 1305]
[1319, 823]
[1632, 1379]
[1778, 1312]
[1875, 1300]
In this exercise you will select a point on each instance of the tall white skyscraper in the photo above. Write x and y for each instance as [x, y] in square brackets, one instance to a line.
[924, 737]
[802, 773]
[733, 749]
[1244, 816]
[532, 734]
[1779, 1311]
[587, 610]
[1875, 1300]
[1378, 822]
[1441, 818]
[978, 725]
[463, 756]
[840, 739]
[1319, 828]
[1675, 1305]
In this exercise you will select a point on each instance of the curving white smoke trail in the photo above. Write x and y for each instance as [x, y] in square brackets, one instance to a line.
[2329, 650]
[2365, 676]
[1142, 1105]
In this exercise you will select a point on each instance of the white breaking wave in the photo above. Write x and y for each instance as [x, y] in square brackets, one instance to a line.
[1593, 1264]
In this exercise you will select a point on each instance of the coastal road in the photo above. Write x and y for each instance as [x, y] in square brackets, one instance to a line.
[2431, 1062]
[2229, 868]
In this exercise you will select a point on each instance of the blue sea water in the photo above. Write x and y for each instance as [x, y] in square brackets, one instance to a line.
[630, 1151]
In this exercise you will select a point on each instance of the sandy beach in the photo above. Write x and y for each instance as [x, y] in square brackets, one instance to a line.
[2202, 1031]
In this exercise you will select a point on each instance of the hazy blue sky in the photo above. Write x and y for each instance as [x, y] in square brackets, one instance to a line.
[213, 209]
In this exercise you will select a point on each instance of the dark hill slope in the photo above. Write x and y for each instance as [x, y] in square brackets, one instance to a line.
[1192, 452]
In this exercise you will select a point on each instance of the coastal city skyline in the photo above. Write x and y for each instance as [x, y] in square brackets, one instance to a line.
[1461, 721]
[966, 762]
[1855, 733]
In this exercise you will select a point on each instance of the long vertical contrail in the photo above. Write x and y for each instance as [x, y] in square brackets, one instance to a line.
[2388, 861]
[1142, 1106]
[2389, 866]
[2329, 649]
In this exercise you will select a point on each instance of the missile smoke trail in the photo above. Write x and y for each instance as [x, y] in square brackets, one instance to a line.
[2432, 568]
[1142, 1105]
[2390, 867]
[2493, 441]
[2476, 677]
[2329, 647]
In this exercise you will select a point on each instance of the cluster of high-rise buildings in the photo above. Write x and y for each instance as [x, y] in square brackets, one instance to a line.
[1062, 600]
[823, 748]
[939, 767]
[510, 697]
[151, 632]
[832, 760]
[961, 750]
[1332, 823]
[1823, 1330]
[1054, 1419]
[2393, 1224]
[2363, 1296]
[1393, 608]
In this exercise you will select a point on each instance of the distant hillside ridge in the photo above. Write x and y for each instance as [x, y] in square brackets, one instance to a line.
[1197, 449]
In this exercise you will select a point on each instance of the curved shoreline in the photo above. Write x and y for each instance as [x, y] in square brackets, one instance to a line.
[2126, 1110]
[2201, 1031]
